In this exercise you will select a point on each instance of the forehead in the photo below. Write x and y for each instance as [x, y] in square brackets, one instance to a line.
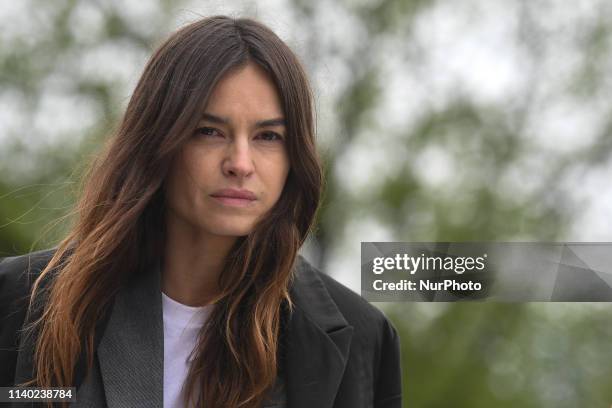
[246, 91]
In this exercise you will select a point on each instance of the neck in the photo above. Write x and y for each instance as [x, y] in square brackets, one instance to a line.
[193, 261]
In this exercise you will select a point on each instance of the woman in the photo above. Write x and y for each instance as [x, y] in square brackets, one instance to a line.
[181, 283]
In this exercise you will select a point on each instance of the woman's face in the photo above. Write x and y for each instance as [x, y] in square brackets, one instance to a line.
[233, 169]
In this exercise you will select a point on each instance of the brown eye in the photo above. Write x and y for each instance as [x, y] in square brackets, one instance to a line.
[207, 132]
[270, 136]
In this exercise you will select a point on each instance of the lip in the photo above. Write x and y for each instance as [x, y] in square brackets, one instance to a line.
[234, 197]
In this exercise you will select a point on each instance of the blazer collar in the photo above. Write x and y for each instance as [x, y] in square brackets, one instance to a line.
[131, 350]
[129, 345]
[318, 342]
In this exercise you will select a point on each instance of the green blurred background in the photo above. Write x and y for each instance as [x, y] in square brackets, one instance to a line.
[478, 120]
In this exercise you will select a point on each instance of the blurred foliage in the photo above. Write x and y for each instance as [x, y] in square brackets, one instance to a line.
[501, 183]
[505, 355]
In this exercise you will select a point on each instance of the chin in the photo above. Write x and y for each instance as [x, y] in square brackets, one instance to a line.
[232, 229]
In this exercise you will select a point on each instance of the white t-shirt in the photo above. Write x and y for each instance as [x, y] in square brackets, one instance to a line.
[181, 326]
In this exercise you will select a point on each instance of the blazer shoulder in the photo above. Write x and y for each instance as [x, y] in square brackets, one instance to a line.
[359, 313]
[17, 275]
[375, 347]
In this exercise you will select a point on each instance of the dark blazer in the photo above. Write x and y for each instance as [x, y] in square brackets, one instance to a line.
[338, 350]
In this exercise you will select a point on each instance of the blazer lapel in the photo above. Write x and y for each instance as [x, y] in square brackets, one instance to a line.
[131, 351]
[318, 342]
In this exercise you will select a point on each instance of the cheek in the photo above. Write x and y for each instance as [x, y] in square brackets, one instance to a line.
[196, 167]
[186, 177]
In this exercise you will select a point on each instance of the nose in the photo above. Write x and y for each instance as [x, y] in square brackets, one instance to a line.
[238, 161]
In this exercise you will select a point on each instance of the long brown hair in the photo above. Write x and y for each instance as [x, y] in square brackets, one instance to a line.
[120, 223]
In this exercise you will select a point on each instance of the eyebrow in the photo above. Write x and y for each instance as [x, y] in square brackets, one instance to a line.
[259, 124]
